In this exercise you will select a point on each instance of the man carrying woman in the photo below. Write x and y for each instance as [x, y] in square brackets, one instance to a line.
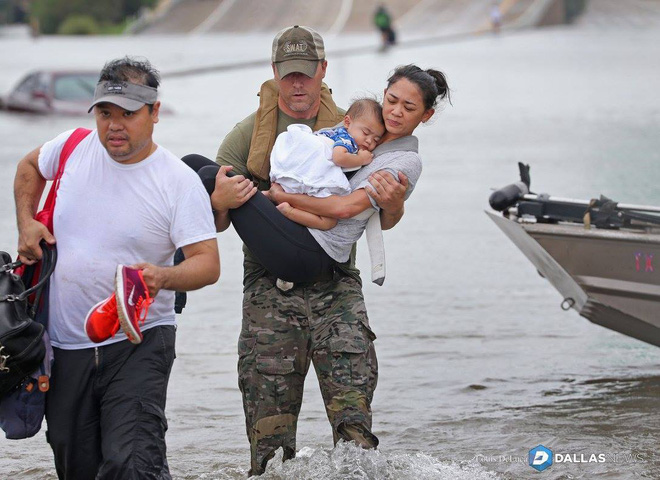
[321, 320]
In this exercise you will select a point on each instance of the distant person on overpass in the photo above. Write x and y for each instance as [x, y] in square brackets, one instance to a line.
[495, 17]
[383, 21]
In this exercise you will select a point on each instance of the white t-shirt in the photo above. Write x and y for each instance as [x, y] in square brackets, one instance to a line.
[108, 214]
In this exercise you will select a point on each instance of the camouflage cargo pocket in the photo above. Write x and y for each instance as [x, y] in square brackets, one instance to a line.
[258, 289]
[278, 365]
[348, 349]
[246, 379]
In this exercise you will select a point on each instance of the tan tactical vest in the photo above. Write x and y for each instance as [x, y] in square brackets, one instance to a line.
[265, 126]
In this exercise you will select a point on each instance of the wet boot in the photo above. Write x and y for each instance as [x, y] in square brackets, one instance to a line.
[358, 434]
[258, 468]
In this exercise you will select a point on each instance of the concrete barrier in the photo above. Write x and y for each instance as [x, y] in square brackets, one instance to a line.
[549, 12]
[411, 17]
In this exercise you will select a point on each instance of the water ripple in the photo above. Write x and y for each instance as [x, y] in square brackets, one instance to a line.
[349, 462]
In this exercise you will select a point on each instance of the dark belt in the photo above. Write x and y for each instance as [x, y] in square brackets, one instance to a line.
[327, 276]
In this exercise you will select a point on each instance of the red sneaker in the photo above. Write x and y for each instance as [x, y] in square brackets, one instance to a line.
[133, 301]
[102, 321]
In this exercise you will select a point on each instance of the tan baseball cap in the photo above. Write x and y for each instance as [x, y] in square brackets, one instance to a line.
[297, 49]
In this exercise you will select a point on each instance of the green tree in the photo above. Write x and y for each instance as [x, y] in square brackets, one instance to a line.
[52, 13]
[79, 25]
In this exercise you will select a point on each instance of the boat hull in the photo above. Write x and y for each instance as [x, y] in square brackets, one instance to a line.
[608, 276]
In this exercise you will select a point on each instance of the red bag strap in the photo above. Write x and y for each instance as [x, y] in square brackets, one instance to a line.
[70, 145]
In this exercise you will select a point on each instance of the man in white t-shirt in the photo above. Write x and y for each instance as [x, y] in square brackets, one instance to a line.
[123, 200]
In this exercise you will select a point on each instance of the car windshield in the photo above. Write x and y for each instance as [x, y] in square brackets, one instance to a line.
[75, 87]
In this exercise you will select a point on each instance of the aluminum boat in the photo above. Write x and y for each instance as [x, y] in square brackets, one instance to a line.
[603, 257]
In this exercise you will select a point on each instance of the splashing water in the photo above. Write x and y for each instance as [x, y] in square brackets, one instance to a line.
[348, 461]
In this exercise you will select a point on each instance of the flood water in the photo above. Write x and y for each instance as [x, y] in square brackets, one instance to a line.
[478, 363]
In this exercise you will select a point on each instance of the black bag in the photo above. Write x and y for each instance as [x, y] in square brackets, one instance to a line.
[21, 347]
[22, 410]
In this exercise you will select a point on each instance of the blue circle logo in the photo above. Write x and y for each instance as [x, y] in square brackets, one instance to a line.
[540, 458]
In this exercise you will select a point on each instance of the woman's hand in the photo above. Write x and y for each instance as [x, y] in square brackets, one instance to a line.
[389, 195]
[387, 191]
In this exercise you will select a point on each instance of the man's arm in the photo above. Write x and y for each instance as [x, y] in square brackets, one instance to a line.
[232, 192]
[28, 187]
[389, 194]
[200, 268]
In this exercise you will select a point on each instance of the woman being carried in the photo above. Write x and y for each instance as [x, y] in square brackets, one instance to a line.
[295, 253]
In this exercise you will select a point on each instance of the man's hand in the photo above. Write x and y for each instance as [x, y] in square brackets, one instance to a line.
[154, 277]
[29, 236]
[201, 267]
[231, 192]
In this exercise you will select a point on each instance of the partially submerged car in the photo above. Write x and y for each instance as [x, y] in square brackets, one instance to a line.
[51, 91]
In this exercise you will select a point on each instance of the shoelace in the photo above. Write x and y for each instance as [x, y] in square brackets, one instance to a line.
[142, 308]
[142, 305]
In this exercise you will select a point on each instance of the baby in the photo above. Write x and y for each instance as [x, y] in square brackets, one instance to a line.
[313, 163]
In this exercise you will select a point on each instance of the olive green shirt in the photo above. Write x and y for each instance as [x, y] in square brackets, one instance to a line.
[234, 151]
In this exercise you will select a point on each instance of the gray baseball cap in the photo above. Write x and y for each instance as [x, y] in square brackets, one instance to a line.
[297, 49]
[129, 96]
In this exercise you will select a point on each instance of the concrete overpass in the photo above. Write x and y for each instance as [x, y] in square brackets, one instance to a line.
[417, 21]
[412, 17]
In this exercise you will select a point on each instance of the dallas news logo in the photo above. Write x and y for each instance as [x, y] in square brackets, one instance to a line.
[540, 458]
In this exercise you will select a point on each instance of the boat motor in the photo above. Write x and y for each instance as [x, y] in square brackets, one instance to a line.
[508, 196]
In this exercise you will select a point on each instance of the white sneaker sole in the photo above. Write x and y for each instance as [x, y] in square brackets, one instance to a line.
[126, 325]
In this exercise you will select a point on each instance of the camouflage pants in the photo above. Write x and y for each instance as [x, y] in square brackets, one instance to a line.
[325, 323]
